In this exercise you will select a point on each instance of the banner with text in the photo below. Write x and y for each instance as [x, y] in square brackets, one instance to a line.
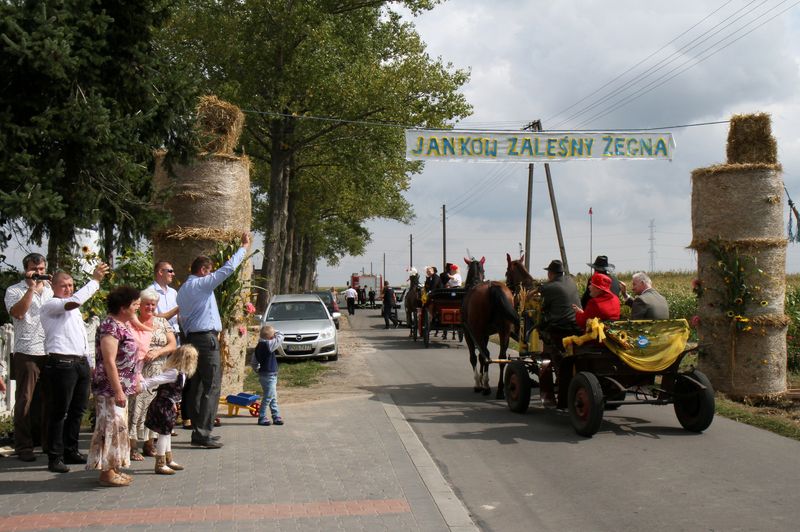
[529, 147]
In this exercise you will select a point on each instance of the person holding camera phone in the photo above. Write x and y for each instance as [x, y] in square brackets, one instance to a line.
[24, 301]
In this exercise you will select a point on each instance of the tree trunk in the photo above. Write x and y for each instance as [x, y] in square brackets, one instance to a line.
[297, 261]
[288, 253]
[309, 268]
[107, 232]
[278, 212]
[59, 239]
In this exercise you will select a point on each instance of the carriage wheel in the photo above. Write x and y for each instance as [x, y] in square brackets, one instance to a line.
[254, 409]
[426, 328]
[585, 403]
[693, 406]
[517, 387]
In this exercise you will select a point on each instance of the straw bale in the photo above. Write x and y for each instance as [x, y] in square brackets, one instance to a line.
[750, 140]
[219, 125]
[721, 198]
[214, 191]
[752, 365]
[771, 284]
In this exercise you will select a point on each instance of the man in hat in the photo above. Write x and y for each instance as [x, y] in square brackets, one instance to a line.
[559, 293]
[603, 303]
[557, 320]
[601, 265]
[648, 303]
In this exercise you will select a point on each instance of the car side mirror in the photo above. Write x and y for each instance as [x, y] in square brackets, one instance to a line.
[336, 315]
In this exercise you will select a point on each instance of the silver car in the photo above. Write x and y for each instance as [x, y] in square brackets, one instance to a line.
[307, 326]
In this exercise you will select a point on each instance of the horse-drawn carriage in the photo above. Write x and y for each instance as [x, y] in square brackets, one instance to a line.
[440, 312]
[614, 363]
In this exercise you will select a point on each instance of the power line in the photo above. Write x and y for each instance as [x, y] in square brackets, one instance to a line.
[698, 59]
[637, 64]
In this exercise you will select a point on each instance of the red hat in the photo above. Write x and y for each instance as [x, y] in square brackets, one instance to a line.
[601, 282]
[453, 268]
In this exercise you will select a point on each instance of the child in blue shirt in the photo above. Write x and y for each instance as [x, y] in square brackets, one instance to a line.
[266, 365]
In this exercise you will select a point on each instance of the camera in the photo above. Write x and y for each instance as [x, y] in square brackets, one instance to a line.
[41, 277]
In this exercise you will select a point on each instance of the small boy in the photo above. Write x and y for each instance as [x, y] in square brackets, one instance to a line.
[266, 365]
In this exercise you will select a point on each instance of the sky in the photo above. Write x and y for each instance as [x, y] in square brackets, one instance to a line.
[591, 65]
[546, 60]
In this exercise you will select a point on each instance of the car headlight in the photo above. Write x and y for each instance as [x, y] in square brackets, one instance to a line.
[327, 333]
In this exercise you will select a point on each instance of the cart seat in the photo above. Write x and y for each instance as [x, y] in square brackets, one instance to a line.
[644, 345]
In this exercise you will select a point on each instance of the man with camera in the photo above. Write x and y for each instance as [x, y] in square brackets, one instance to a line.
[24, 301]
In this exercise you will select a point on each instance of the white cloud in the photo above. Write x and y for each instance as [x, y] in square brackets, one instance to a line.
[532, 59]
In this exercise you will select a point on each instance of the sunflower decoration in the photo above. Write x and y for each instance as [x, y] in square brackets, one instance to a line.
[740, 276]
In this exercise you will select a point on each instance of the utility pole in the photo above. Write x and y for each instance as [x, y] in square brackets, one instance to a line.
[529, 210]
[384, 268]
[410, 251]
[652, 246]
[537, 126]
[444, 238]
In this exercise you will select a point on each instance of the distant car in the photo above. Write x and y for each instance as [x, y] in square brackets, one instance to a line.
[307, 326]
[330, 302]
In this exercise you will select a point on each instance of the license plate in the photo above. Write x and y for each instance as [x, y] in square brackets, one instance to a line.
[297, 347]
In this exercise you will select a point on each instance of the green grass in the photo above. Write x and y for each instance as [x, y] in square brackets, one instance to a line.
[771, 420]
[290, 374]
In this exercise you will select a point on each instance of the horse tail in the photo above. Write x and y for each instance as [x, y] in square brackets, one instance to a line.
[501, 305]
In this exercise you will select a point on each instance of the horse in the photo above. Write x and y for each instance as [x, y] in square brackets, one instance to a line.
[413, 300]
[517, 278]
[487, 309]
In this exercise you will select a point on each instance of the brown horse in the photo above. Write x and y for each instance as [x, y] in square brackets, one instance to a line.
[517, 278]
[487, 309]
[413, 299]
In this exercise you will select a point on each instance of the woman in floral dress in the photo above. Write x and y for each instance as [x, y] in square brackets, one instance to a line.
[114, 380]
[156, 341]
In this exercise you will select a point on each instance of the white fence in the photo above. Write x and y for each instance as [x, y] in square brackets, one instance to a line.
[6, 347]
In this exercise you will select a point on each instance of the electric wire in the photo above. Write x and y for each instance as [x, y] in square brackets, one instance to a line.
[654, 85]
[681, 52]
[547, 120]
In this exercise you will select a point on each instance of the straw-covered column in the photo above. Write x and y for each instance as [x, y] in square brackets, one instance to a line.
[737, 226]
[209, 205]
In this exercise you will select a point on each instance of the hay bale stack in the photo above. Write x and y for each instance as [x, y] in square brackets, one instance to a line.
[209, 202]
[219, 125]
[737, 231]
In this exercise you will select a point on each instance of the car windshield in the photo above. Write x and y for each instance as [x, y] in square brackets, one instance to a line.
[302, 310]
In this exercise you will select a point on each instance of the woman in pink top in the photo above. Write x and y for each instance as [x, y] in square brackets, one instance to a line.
[156, 341]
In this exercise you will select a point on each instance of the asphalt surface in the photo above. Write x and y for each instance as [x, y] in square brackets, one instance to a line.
[531, 471]
[418, 450]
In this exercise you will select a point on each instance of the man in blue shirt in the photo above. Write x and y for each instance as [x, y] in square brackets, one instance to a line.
[201, 325]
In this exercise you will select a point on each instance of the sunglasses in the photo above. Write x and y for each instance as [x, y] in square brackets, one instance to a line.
[168, 271]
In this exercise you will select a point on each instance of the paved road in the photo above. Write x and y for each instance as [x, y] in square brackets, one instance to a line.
[642, 471]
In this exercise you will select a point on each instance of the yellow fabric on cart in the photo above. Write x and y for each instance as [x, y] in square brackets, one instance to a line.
[645, 345]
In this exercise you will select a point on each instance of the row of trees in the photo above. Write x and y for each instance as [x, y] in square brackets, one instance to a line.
[93, 89]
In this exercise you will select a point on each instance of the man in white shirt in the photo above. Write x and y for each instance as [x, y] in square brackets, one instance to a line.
[167, 306]
[350, 295]
[24, 301]
[67, 370]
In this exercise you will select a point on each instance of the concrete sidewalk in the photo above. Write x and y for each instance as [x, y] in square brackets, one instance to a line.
[350, 464]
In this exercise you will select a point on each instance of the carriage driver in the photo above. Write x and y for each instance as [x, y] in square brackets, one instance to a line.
[557, 318]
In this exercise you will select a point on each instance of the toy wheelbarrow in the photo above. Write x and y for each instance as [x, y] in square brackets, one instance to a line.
[242, 400]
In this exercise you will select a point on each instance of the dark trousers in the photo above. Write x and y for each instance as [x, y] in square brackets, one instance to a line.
[388, 314]
[29, 403]
[67, 381]
[351, 305]
[205, 385]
